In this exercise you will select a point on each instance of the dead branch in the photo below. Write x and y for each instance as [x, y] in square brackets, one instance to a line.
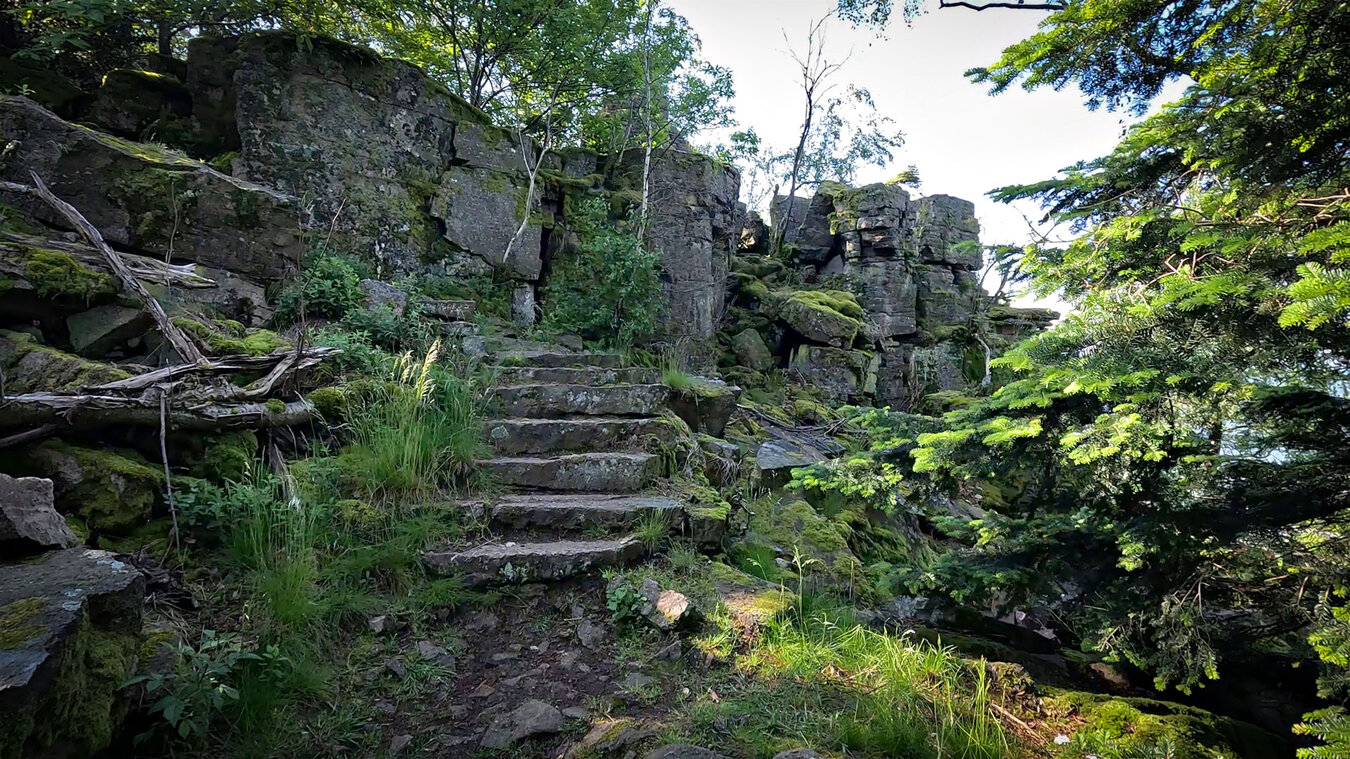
[84, 411]
[1014, 4]
[185, 347]
[145, 268]
[28, 436]
[224, 365]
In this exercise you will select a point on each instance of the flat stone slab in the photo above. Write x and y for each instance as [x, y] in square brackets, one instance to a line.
[501, 563]
[584, 472]
[577, 375]
[576, 512]
[554, 359]
[552, 401]
[598, 433]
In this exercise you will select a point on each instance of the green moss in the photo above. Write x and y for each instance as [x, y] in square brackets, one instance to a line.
[230, 338]
[227, 456]
[85, 705]
[839, 301]
[30, 367]
[112, 490]
[1140, 724]
[18, 624]
[275, 406]
[55, 274]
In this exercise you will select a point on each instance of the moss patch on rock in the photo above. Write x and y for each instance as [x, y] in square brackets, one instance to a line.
[32, 367]
[227, 456]
[111, 490]
[55, 274]
[230, 338]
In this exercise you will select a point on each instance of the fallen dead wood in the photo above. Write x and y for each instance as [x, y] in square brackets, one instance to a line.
[84, 411]
[145, 268]
[279, 366]
[180, 342]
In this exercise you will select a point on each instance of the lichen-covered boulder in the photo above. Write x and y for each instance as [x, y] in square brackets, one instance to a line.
[828, 317]
[102, 328]
[405, 171]
[150, 199]
[70, 634]
[705, 404]
[838, 373]
[28, 516]
[110, 490]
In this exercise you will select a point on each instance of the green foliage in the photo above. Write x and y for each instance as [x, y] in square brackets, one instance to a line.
[328, 287]
[1176, 444]
[204, 685]
[608, 291]
[626, 605]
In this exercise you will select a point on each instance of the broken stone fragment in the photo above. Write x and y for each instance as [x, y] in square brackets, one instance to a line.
[530, 719]
[752, 351]
[384, 295]
[705, 404]
[28, 516]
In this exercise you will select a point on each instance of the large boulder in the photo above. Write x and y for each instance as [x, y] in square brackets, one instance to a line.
[147, 198]
[70, 634]
[751, 350]
[130, 102]
[403, 170]
[28, 516]
[705, 404]
[838, 373]
[948, 232]
[822, 316]
[31, 367]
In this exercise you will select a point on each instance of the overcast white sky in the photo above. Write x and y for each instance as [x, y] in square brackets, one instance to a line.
[964, 141]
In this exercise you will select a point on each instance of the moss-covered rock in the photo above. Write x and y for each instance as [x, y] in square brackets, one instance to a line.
[830, 317]
[110, 490]
[704, 404]
[227, 457]
[31, 367]
[230, 338]
[131, 102]
[1128, 725]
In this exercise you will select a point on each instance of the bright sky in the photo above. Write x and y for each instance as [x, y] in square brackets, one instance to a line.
[963, 141]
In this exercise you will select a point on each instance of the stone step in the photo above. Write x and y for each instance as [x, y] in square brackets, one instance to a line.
[552, 401]
[578, 472]
[559, 359]
[512, 437]
[500, 563]
[543, 511]
[450, 310]
[574, 375]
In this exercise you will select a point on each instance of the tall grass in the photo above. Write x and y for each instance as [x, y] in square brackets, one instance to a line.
[911, 698]
[420, 432]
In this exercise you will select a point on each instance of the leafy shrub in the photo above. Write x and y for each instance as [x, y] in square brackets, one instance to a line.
[626, 605]
[384, 327]
[609, 291]
[204, 685]
[328, 287]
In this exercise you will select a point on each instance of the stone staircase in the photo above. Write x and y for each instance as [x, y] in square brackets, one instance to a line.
[570, 447]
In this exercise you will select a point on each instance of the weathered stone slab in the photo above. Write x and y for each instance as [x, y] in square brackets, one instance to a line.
[28, 516]
[585, 472]
[576, 512]
[511, 437]
[450, 310]
[943, 298]
[72, 632]
[819, 323]
[559, 359]
[525, 721]
[551, 401]
[577, 375]
[533, 562]
[129, 102]
[751, 350]
[146, 198]
[480, 210]
[102, 328]
[889, 297]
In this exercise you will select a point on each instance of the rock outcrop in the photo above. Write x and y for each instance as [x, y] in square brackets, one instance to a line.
[148, 199]
[70, 636]
[891, 309]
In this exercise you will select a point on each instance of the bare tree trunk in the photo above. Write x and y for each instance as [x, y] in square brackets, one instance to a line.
[647, 107]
